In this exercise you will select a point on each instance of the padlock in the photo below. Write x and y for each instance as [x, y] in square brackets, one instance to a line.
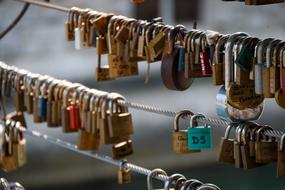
[218, 66]
[180, 137]
[258, 68]
[266, 70]
[280, 94]
[119, 122]
[53, 105]
[171, 77]
[87, 140]
[30, 82]
[9, 164]
[265, 149]
[199, 137]
[237, 149]
[38, 101]
[43, 101]
[281, 158]
[124, 174]
[105, 137]
[19, 95]
[74, 112]
[19, 147]
[205, 57]
[151, 176]
[248, 161]
[122, 149]
[226, 150]
[65, 110]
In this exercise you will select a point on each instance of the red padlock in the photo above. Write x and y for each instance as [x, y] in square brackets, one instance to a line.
[75, 122]
[74, 112]
[205, 63]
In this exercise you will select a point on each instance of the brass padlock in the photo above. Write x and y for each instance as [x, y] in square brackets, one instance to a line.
[226, 150]
[218, 66]
[105, 137]
[237, 145]
[119, 121]
[180, 137]
[19, 147]
[265, 149]
[9, 164]
[122, 149]
[281, 158]
[248, 161]
[124, 174]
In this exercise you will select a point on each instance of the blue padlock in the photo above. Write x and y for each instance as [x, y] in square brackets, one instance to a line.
[42, 107]
[181, 59]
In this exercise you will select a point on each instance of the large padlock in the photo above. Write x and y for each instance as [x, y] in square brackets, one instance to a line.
[105, 137]
[226, 150]
[119, 121]
[180, 137]
[265, 149]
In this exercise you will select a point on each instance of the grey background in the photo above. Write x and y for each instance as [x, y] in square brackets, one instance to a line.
[38, 44]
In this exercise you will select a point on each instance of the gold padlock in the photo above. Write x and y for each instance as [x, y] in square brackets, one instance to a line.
[119, 122]
[123, 149]
[19, 147]
[124, 174]
[180, 137]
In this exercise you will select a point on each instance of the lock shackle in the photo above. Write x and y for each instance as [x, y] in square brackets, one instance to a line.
[193, 120]
[281, 148]
[76, 93]
[229, 76]
[114, 102]
[179, 183]
[260, 132]
[220, 43]
[215, 187]
[229, 129]
[187, 183]
[173, 180]
[261, 49]
[248, 128]
[178, 116]
[151, 175]
[96, 100]
[269, 52]
[239, 131]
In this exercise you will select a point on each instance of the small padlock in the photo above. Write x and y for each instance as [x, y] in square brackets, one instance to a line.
[124, 174]
[122, 149]
[226, 150]
[19, 147]
[265, 149]
[75, 122]
[180, 137]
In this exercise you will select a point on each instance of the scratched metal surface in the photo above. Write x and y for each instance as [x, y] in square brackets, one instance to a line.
[38, 44]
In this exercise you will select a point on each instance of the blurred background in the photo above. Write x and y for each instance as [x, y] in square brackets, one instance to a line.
[38, 44]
